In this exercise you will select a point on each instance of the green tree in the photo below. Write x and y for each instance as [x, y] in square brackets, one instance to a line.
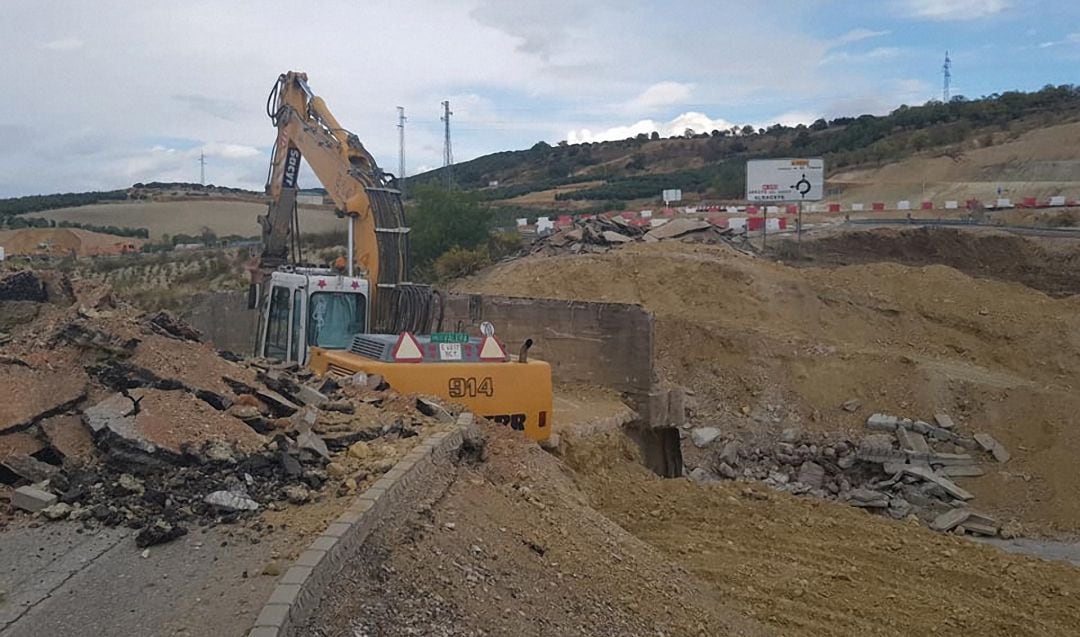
[443, 219]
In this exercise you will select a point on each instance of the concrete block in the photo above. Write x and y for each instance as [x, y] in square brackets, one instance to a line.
[882, 422]
[296, 575]
[32, 499]
[944, 421]
[323, 543]
[950, 487]
[284, 594]
[656, 412]
[348, 517]
[310, 558]
[961, 471]
[336, 530]
[912, 440]
[273, 616]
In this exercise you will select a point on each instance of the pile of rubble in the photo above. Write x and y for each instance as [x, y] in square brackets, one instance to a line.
[905, 468]
[598, 234]
[120, 418]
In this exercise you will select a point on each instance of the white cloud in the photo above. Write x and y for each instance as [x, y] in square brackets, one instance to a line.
[698, 122]
[875, 54]
[857, 35]
[63, 44]
[658, 96]
[1072, 38]
[955, 9]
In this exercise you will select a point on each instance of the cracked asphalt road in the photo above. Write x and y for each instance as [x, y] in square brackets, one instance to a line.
[59, 581]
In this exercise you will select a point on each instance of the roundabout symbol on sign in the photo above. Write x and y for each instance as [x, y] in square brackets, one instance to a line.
[803, 186]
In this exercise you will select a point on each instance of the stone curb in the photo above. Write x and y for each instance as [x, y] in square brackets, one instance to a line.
[298, 591]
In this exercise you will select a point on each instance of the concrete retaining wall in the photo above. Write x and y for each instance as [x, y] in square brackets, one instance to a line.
[426, 469]
[225, 320]
[604, 344]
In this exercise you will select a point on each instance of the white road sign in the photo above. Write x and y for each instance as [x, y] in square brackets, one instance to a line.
[672, 195]
[780, 180]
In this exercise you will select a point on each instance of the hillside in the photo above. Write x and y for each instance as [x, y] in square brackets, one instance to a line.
[711, 164]
[162, 218]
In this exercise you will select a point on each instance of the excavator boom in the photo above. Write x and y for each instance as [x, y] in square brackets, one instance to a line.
[368, 198]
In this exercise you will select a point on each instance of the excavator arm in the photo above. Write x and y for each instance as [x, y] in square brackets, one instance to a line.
[361, 192]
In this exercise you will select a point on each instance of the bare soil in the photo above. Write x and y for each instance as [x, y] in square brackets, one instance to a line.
[593, 544]
[766, 346]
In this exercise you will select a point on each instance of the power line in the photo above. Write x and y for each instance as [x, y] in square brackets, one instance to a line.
[448, 153]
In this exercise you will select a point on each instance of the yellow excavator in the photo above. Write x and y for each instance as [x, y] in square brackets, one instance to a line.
[363, 314]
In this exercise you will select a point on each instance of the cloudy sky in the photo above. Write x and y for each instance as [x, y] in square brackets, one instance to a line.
[104, 93]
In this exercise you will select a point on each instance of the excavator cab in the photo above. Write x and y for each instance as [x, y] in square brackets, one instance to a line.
[311, 307]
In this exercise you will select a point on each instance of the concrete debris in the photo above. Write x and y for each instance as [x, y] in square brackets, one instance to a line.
[988, 443]
[297, 494]
[28, 467]
[902, 468]
[615, 237]
[676, 228]
[159, 532]
[310, 442]
[167, 325]
[852, 405]
[22, 286]
[434, 410]
[57, 511]
[967, 519]
[32, 499]
[19, 442]
[600, 234]
[811, 474]
[231, 502]
[944, 421]
[704, 436]
[70, 438]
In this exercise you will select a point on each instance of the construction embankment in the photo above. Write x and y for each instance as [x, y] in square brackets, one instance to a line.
[766, 348]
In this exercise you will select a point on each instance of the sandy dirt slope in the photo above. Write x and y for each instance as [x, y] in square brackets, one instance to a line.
[792, 345]
[188, 217]
[1038, 163]
[527, 544]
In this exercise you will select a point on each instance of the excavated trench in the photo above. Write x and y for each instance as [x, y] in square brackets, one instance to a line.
[1047, 264]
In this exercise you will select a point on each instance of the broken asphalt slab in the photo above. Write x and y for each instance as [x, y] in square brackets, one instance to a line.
[31, 394]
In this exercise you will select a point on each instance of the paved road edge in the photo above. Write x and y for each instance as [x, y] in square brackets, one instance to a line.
[298, 591]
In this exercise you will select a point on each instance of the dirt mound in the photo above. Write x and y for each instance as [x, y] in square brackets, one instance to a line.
[526, 544]
[1049, 265]
[514, 549]
[765, 347]
[65, 242]
[806, 567]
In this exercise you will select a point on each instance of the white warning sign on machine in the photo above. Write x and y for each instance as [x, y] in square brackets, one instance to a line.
[785, 180]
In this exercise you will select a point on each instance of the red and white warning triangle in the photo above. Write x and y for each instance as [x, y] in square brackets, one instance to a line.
[407, 349]
[491, 350]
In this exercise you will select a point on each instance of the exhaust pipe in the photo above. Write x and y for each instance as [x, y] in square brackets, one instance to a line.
[523, 354]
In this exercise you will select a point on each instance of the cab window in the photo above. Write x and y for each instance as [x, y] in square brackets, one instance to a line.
[277, 324]
[334, 317]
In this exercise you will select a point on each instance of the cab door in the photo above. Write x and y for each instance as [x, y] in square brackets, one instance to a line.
[283, 335]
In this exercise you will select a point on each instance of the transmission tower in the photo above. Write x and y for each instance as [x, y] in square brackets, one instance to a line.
[401, 148]
[202, 168]
[448, 153]
[946, 71]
